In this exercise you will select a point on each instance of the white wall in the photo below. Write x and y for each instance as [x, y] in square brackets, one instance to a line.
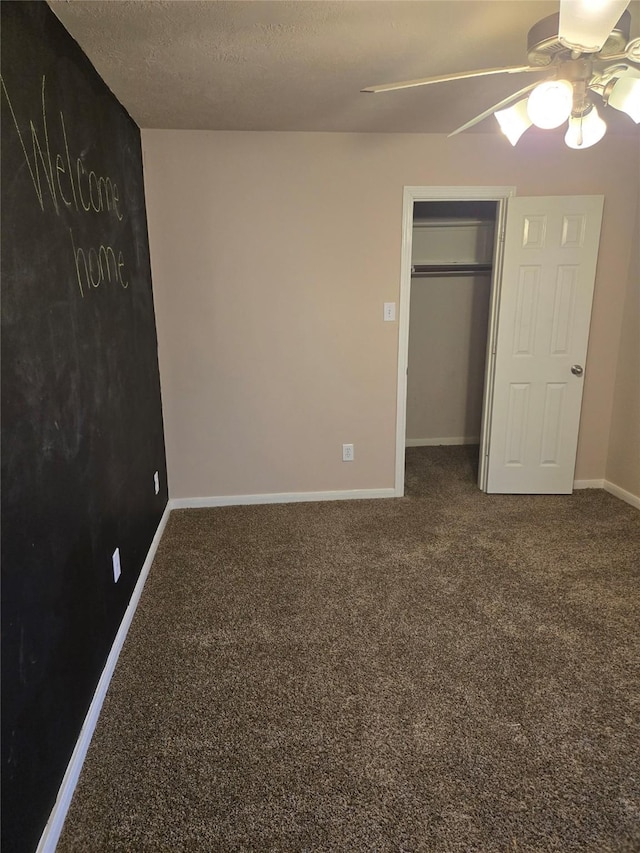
[272, 256]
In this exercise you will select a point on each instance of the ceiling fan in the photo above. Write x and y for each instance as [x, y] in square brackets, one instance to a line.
[587, 58]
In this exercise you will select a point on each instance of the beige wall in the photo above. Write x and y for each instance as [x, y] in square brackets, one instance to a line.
[623, 463]
[448, 324]
[447, 354]
[272, 256]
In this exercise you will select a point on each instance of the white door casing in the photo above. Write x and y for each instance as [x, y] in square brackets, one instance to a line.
[548, 273]
[499, 194]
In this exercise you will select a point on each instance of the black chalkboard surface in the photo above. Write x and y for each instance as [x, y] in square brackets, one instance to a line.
[82, 432]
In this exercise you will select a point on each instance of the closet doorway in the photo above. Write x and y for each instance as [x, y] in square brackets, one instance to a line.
[451, 264]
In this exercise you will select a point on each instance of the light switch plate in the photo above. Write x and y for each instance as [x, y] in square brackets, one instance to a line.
[389, 311]
[115, 559]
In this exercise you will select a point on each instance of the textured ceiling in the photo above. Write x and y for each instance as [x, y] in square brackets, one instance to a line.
[264, 65]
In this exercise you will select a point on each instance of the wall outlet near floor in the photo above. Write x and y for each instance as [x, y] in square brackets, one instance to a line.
[156, 482]
[347, 452]
[115, 559]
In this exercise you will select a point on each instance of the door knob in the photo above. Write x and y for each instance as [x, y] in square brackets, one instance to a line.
[577, 369]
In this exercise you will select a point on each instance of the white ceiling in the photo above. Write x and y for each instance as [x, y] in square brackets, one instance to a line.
[300, 64]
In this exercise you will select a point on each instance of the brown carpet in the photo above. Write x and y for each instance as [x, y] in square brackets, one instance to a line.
[450, 671]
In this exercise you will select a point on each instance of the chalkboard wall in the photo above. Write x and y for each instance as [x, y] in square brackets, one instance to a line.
[82, 429]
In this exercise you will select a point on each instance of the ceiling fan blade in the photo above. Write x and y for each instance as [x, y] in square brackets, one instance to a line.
[505, 103]
[585, 26]
[443, 78]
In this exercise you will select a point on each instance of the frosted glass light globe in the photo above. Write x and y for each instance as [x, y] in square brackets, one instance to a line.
[585, 24]
[550, 104]
[585, 131]
[514, 121]
[625, 96]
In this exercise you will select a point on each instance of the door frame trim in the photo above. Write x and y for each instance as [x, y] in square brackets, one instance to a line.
[411, 195]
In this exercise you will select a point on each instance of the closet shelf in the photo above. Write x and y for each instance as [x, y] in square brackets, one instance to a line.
[424, 270]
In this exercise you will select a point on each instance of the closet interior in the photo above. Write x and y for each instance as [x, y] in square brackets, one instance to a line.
[452, 263]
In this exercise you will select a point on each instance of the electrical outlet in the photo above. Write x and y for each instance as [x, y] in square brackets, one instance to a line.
[156, 482]
[347, 452]
[115, 559]
[389, 311]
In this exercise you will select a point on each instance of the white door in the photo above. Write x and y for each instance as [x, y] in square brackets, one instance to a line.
[548, 272]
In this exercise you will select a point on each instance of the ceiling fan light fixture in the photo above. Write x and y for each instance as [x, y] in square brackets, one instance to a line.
[625, 96]
[514, 121]
[550, 104]
[585, 25]
[585, 130]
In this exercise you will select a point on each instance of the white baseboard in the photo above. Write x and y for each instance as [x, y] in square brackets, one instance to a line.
[623, 494]
[588, 484]
[52, 830]
[434, 442]
[614, 490]
[280, 498]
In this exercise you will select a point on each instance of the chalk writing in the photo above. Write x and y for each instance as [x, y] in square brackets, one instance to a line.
[97, 266]
[98, 193]
[79, 189]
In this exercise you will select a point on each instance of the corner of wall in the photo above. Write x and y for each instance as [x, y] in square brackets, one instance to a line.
[623, 457]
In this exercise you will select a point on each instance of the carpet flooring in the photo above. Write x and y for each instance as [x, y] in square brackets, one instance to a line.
[449, 671]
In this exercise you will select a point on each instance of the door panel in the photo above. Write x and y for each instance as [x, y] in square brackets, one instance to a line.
[550, 255]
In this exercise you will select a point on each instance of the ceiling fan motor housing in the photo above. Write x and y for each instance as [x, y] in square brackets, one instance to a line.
[544, 46]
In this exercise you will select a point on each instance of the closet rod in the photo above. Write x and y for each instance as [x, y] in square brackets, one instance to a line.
[424, 270]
